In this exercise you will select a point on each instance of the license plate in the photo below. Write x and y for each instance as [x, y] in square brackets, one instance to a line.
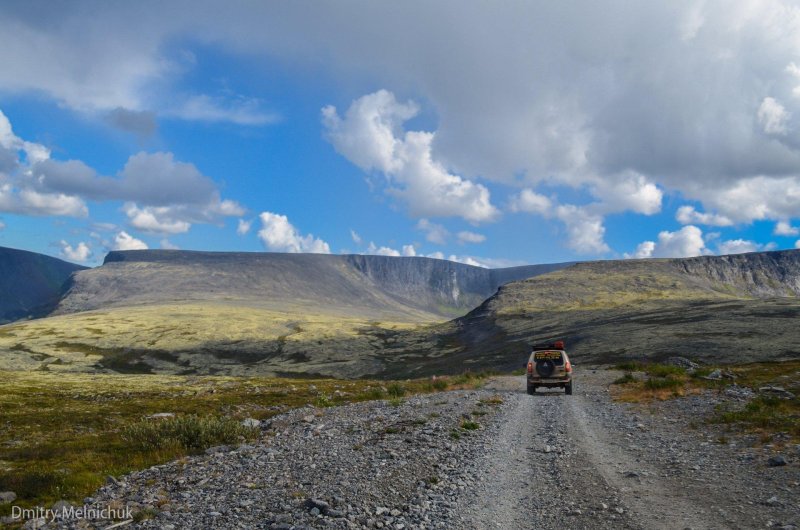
[547, 355]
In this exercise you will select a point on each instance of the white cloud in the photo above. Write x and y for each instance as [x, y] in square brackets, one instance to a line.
[783, 228]
[370, 135]
[687, 215]
[466, 236]
[529, 201]
[243, 227]
[797, 244]
[407, 250]
[435, 233]
[157, 220]
[683, 243]
[166, 244]
[31, 202]
[585, 230]
[80, 253]
[2, 225]
[773, 116]
[628, 192]
[738, 246]
[125, 241]
[643, 250]
[241, 110]
[355, 237]
[758, 198]
[172, 194]
[279, 235]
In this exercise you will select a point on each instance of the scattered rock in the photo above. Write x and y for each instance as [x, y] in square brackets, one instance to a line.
[776, 391]
[113, 481]
[682, 362]
[161, 415]
[251, 423]
[772, 501]
[715, 375]
[777, 461]
[7, 496]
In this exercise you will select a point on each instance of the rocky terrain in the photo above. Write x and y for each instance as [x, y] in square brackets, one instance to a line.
[30, 284]
[720, 309]
[492, 458]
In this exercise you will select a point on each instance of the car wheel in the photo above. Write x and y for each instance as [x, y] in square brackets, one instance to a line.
[531, 390]
[568, 389]
[545, 367]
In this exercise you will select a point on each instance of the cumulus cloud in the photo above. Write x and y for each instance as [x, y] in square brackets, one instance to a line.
[687, 215]
[80, 253]
[772, 116]
[784, 228]
[683, 243]
[162, 195]
[435, 233]
[243, 227]
[643, 250]
[355, 237]
[279, 235]
[124, 241]
[166, 244]
[738, 246]
[529, 201]
[580, 106]
[585, 230]
[466, 236]
[371, 136]
[158, 220]
[627, 192]
[407, 250]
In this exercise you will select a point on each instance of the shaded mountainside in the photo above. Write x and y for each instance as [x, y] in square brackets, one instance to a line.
[249, 313]
[30, 283]
[712, 308]
[405, 289]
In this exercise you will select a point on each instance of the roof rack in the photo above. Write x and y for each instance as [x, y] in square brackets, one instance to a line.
[555, 345]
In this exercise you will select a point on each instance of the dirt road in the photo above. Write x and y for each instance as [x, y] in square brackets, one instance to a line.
[476, 459]
[581, 461]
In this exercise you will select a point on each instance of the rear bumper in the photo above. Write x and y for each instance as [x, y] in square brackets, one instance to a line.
[549, 382]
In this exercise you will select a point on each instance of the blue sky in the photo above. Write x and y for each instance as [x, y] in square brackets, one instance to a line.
[494, 137]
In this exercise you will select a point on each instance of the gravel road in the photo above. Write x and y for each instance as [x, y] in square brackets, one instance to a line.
[543, 461]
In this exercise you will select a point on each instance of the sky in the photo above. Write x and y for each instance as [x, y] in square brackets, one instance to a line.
[491, 134]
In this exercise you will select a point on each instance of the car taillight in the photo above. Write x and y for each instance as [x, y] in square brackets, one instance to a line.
[530, 368]
[567, 367]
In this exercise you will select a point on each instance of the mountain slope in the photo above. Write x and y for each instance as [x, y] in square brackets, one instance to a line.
[30, 283]
[714, 308]
[240, 313]
[408, 289]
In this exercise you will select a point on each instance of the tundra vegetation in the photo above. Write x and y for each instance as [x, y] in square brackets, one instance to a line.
[64, 433]
[765, 413]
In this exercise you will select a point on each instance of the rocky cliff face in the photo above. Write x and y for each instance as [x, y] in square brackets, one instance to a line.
[351, 284]
[759, 274]
[30, 283]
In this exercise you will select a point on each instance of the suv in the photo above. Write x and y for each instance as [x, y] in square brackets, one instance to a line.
[549, 366]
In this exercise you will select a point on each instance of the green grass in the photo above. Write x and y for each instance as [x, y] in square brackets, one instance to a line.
[625, 379]
[468, 425]
[188, 433]
[765, 415]
[660, 383]
[61, 434]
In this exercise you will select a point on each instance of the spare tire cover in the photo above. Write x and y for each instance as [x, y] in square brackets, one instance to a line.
[545, 367]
